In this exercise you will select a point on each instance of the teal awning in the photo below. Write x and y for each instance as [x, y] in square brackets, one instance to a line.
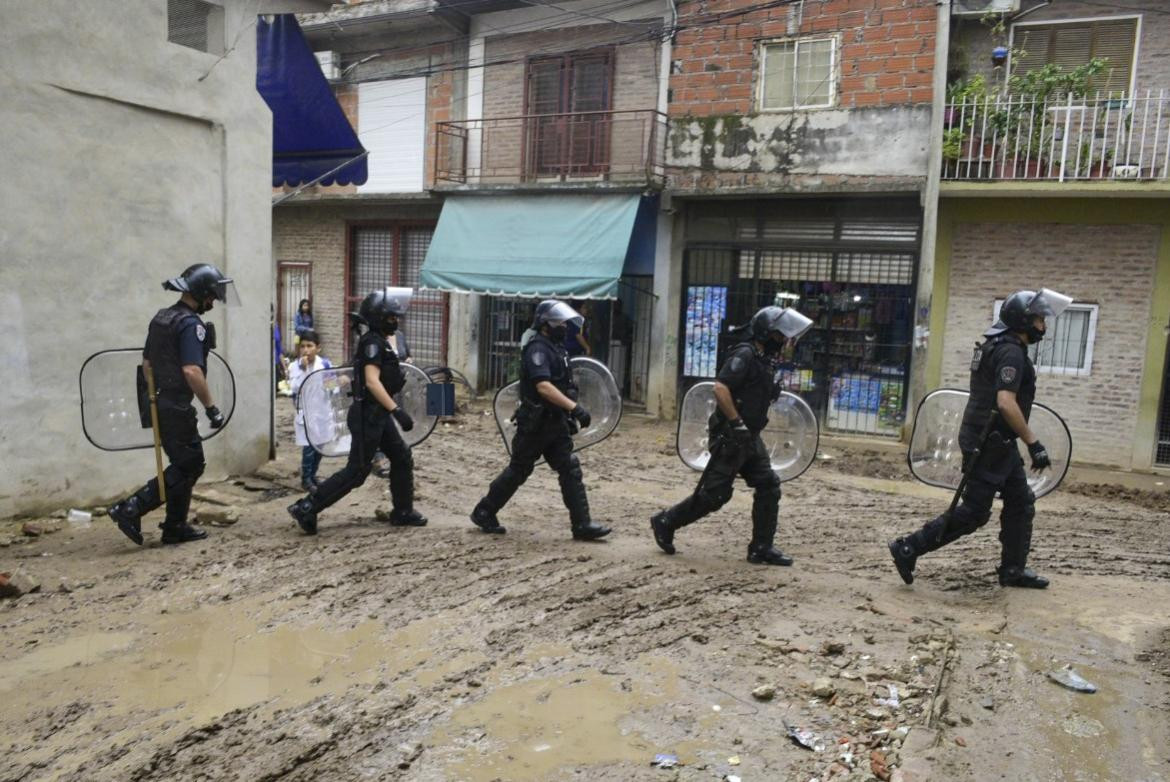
[569, 246]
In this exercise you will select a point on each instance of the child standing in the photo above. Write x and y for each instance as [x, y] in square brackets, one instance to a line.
[308, 363]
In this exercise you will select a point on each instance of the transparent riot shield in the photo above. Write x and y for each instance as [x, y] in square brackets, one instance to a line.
[326, 395]
[111, 415]
[791, 436]
[597, 392]
[934, 456]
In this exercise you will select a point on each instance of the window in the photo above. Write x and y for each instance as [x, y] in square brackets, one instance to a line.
[392, 121]
[1069, 44]
[557, 89]
[1067, 347]
[195, 24]
[798, 74]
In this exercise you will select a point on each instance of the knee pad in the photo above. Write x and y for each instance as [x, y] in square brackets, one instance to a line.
[571, 468]
[519, 470]
[770, 490]
[711, 499]
[966, 519]
[1022, 510]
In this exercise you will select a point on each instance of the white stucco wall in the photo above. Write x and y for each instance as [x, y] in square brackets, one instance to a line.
[126, 158]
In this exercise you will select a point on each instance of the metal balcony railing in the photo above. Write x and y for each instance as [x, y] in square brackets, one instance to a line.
[1105, 136]
[604, 147]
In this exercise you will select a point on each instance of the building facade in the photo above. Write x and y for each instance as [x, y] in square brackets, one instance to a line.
[126, 165]
[1063, 181]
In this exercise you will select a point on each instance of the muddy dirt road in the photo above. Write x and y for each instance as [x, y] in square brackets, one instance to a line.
[372, 652]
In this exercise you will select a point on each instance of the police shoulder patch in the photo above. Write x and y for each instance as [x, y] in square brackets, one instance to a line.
[736, 364]
[372, 349]
[200, 332]
[1007, 374]
[538, 358]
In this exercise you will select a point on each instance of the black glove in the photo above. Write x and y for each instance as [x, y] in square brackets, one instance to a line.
[581, 415]
[403, 418]
[740, 434]
[215, 417]
[1039, 454]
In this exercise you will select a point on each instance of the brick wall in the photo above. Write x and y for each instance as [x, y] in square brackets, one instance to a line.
[1108, 265]
[971, 43]
[886, 51]
[316, 234]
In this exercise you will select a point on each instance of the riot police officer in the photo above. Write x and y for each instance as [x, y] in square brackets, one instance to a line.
[1003, 387]
[745, 388]
[177, 345]
[378, 376]
[545, 421]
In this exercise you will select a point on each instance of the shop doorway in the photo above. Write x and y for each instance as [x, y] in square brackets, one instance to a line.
[848, 266]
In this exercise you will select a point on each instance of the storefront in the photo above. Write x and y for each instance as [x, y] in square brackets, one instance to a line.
[849, 264]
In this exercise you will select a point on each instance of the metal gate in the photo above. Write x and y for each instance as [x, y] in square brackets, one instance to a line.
[850, 268]
[293, 283]
[1162, 455]
[620, 335]
[393, 255]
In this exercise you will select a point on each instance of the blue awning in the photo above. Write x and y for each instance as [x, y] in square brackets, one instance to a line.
[558, 245]
[311, 137]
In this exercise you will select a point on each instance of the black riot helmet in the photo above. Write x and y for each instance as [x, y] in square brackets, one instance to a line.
[204, 281]
[552, 312]
[382, 308]
[781, 322]
[1019, 309]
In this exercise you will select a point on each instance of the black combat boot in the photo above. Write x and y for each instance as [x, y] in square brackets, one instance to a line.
[767, 555]
[180, 533]
[663, 531]
[407, 518]
[577, 501]
[304, 515]
[905, 556]
[1025, 577]
[485, 518]
[127, 514]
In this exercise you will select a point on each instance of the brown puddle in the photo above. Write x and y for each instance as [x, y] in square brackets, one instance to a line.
[208, 662]
[536, 726]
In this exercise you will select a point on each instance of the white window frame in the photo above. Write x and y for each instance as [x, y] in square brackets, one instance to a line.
[834, 64]
[1090, 337]
[1137, 38]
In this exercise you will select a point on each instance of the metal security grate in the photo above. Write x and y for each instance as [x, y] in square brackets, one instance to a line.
[394, 256]
[191, 23]
[1163, 452]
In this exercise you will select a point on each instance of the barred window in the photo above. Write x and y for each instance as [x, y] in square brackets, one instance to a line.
[1067, 347]
[196, 24]
[798, 74]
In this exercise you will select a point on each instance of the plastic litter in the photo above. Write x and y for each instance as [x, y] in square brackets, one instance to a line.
[662, 760]
[805, 738]
[1067, 677]
[79, 517]
[733, 760]
[891, 702]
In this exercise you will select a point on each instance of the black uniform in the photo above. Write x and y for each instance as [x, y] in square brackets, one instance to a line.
[177, 337]
[371, 429]
[999, 364]
[750, 377]
[542, 429]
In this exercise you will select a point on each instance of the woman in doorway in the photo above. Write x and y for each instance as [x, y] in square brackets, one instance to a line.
[303, 320]
[577, 337]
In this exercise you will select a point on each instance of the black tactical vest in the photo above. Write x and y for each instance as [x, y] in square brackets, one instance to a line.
[389, 369]
[162, 350]
[561, 372]
[985, 365]
[758, 390]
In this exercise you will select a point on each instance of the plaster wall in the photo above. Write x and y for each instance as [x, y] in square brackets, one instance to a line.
[876, 142]
[123, 165]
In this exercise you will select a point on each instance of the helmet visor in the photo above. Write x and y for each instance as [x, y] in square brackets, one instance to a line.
[1048, 303]
[792, 324]
[562, 313]
[398, 299]
[225, 291]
